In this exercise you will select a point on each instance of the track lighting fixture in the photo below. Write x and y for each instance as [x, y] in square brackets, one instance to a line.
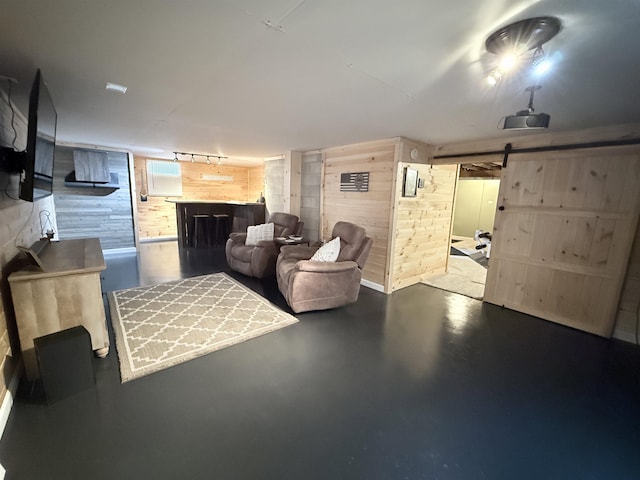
[194, 155]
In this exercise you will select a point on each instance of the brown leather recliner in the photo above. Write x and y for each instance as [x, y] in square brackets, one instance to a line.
[309, 285]
[260, 260]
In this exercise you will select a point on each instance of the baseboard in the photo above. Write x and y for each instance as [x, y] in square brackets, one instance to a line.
[7, 403]
[119, 251]
[372, 285]
[625, 336]
[158, 239]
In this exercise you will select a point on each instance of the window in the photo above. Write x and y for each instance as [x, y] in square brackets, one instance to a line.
[164, 179]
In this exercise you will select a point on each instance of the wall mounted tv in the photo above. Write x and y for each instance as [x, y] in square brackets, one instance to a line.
[35, 164]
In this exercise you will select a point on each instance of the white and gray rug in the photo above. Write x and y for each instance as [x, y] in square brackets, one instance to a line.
[163, 325]
[465, 276]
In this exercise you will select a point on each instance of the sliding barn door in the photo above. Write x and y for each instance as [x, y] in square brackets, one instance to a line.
[562, 236]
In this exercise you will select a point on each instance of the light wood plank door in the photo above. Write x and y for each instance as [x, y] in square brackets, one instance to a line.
[562, 236]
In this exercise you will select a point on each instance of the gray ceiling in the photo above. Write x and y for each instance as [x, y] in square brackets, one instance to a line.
[255, 78]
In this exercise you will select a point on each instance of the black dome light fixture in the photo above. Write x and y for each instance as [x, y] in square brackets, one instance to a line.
[523, 35]
[513, 44]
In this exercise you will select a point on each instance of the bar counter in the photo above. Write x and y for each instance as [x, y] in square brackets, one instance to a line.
[241, 214]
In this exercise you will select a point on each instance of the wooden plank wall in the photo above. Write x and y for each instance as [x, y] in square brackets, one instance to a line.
[371, 209]
[422, 225]
[157, 218]
[255, 187]
[94, 212]
[19, 224]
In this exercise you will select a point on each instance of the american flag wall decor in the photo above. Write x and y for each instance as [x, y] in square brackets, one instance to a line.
[354, 182]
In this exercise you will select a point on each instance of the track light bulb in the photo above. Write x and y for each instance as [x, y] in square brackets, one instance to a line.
[494, 77]
[542, 67]
[508, 61]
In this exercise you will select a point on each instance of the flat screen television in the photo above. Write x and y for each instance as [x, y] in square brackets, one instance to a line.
[37, 178]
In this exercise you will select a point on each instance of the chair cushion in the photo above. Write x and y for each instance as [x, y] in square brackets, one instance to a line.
[257, 233]
[352, 237]
[328, 252]
[284, 223]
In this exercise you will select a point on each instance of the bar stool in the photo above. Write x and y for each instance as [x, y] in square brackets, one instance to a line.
[221, 225]
[200, 227]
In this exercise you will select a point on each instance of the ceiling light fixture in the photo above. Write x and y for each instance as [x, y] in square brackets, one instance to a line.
[494, 77]
[208, 156]
[512, 43]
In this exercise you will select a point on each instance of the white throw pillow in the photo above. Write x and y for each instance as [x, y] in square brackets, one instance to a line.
[257, 233]
[328, 252]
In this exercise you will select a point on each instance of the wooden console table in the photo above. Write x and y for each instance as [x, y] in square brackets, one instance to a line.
[63, 292]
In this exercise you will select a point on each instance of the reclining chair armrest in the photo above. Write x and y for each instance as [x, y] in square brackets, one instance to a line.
[325, 267]
[297, 252]
[238, 237]
[269, 245]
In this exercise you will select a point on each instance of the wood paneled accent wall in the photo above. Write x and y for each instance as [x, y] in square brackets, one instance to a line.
[410, 234]
[255, 186]
[157, 218]
[19, 224]
[94, 212]
[422, 226]
[372, 209]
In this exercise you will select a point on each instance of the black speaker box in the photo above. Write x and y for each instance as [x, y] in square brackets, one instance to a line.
[65, 360]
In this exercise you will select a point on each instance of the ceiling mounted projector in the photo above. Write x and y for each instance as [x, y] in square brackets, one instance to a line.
[527, 119]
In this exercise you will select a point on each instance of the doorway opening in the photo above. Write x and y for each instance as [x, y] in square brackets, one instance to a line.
[474, 213]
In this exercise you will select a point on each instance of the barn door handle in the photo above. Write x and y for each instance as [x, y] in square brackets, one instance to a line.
[501, 208]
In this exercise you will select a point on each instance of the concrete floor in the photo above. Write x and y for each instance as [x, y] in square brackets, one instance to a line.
[421, 384]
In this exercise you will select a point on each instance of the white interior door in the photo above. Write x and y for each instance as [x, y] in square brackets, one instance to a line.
[562, 235]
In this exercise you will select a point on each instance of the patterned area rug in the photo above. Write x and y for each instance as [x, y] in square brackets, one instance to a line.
[465, 276]
[163, 325]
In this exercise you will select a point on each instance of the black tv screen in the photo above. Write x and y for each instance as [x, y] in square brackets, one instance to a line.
[37, 181]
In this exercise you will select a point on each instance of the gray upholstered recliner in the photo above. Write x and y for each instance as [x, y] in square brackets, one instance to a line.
[309, 285]
[260, 260]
